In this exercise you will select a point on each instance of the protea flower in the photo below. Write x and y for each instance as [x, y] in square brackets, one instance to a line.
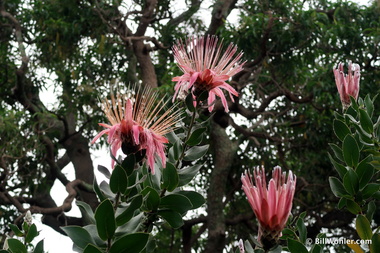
[348, 85]
[137, 126]
[271, 205]
[206, 68]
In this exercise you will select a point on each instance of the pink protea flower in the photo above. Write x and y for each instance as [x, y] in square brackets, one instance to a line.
[348, 85]
[206, 68]
[271, 205]
[137, 126]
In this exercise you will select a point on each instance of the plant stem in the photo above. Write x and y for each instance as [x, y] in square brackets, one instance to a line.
[187, 137]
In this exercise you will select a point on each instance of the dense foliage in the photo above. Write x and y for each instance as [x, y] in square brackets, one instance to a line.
[284, 115]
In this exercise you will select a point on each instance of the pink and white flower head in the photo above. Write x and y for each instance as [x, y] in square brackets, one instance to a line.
[206, 68]
[271, 205]
[137, 125]
[348, 85]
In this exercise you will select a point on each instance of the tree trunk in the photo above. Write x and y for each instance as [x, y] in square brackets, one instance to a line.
[223, 150]
[79, 153]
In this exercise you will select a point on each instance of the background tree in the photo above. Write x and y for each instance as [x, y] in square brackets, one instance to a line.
[82, 49]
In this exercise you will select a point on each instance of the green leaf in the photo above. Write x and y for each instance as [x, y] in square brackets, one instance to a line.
[337, 151]
[276, 249]
[90, 248]
[341, 129]
[369, 190]
[351, 114]
[118, 180]
[370, 210]
[296, 247]
[133, 225]
[16, 230]
[354, 104]
[196, 137]
[151, 245]
[338, 167]
[351, 182]
[86, 210]
[92, 230]
[172, 137]
[187, 174]
[195, 153]
[176, 202]
[248, 247]
[190, 102]
[105, 188]
[128, 213]
[365, 171]
[374, 247]
[353, 207]
[342, 203]
[170, 177]
[365, 121]
[130, 243]
[152, 199]
[350, 151]
[195, 198]
[80, 236]
[104, 171]
[39, 247]
[105, 220]
[369, 105]
[301, 230]
[363, 227]
[173, 218]
[337, 187]
[15, 246]
[316, 249]
[288, 233]
[32, 233]
[97, 190]
[128, 164]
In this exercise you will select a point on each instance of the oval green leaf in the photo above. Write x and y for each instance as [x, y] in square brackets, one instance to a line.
[32, 233]
[375, 244]
[350, 151]
[369, 190]
[170, 177]
[39, 247]
[196, 137]
[195, 153]
[130, 243]
[365, 121]
[88, 214]
[351, 182]
[176, 202]
[195, 198]
[78, 235]
[296, 247]
[105, 220]
[187, 174]
[365, 172]
[125, 216]
[353, 207]
[118, 180]
[173, 218]
[341, 129]
[363, 227]
[337, 187]
[16, 246]
[151, 198]
[90, 248]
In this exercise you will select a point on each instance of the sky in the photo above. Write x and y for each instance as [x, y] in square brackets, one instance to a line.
[55, 242]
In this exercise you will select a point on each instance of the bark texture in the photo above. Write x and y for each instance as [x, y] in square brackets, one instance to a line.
[223, 150]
